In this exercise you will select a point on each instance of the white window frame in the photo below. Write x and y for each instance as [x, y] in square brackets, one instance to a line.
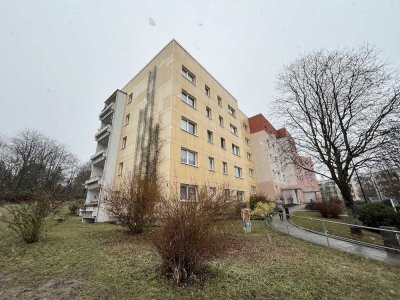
[238, 172]
[211, 163]
[127, 119]
[210, 137]
[235, 150]
[231, 111]
[253, 190]
[223, 143]
[188, 75]
[190, 190]
[251, 172]
[207, 90]
[186, 162]
[249, 156]
[208, 112]
[224, 168]
[124, 140]
[242, 196]
[120, 168]
[185, 97]
[187, 122]
[221, 121]
[233, 129]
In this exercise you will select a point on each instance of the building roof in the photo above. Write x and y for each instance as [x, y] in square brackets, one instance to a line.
[260, 123]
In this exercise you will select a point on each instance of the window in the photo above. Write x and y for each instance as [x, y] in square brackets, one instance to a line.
[253, 190]
[235, 150]
[249, 156]
[223, 144]
[240, 196]
[188, 75]
[208, 112]
[238, 172]
[213, 192]
[124, 143]
[221, 121]
[231, 110]
[188, 126]
[130, 98]
[188, 192]
[227, 195]
[211, 164]
[188, 99]
[247, 141]
[207, 90]
[127, 118]
[245, 127]
[188, 157]
[120, 168]
[251, 172]
[224, 168]
[219, 101]
[210, 136]
[233, 129]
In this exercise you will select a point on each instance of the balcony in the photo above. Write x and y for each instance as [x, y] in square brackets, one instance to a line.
[103, 135]
[107, 113]
[93, 183]
[99, 158]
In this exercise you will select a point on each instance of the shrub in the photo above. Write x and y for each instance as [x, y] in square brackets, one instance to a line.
[132, 201]
[378, 214]
[30, 219]
[331, 208]
[313, 205]
[73, 209]
[256, 198]
[186, 239]
[262, 210]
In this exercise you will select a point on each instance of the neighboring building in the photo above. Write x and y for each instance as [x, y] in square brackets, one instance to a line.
[206, 139]
[329, 189]
[277, 176]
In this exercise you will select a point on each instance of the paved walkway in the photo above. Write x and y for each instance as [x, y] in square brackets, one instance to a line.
[368, 252]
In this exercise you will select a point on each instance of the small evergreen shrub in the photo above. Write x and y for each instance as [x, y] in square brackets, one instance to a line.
[331, 208]
[378, 214]
[73, 209]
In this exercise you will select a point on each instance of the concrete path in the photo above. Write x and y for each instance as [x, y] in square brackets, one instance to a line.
[368, 252]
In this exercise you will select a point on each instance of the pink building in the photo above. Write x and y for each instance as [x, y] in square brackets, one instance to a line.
[277, 174]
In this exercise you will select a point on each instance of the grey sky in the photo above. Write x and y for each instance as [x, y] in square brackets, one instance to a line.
[60, 60]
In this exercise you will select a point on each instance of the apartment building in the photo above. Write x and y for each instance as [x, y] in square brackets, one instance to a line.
[206, 139]
[277, 175]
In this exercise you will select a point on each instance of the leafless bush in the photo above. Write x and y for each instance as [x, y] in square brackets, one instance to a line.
[187, 240]
[132, 201]
[30, 219]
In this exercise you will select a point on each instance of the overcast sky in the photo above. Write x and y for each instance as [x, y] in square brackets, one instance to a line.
[60, 60]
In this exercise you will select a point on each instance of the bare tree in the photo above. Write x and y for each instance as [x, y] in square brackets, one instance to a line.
[31, 160]
[340, 107]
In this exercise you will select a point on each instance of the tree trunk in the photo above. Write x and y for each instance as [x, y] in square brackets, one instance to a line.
[347, 197]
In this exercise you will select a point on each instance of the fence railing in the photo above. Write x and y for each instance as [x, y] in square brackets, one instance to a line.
[375, 237]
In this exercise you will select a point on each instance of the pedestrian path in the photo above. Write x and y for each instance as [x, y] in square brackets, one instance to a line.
[368, 252]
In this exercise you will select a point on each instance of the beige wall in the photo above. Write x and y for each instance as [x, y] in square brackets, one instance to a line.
[169, 108]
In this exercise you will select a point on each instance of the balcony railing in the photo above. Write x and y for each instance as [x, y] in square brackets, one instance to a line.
[99, 158]
[107, 110]
[102, 131]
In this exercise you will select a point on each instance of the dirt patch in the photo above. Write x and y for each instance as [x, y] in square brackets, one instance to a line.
[48, 289]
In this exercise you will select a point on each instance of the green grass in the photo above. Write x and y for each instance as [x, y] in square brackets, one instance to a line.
[103, 262]
[334, 229]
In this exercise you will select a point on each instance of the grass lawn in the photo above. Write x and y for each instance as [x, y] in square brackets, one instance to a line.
[101, 261]
[335, 229]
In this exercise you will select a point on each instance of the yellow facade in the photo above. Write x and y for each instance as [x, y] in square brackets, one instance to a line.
[169, 111]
